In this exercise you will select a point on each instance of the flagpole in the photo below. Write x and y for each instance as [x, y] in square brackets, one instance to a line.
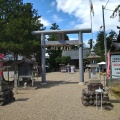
[91, 29]
[91, 7]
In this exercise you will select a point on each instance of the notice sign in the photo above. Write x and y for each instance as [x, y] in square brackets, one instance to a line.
[115, 66]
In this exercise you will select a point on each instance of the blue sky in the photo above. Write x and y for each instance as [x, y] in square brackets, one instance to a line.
[69, 14]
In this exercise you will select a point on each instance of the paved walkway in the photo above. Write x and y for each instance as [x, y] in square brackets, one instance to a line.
[60, 99]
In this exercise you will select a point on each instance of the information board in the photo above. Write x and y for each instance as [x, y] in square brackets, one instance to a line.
[115, 66]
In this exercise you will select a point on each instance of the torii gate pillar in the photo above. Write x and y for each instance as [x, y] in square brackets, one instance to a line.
[81, 71]
[43, 59]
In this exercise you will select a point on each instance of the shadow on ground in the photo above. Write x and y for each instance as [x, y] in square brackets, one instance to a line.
[115, 101]
[21, 99]
[51, 83]
[38, 85]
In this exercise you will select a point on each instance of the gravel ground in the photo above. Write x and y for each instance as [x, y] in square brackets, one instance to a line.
[60, 99]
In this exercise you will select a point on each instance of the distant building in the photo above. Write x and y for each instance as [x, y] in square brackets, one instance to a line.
[74, 54]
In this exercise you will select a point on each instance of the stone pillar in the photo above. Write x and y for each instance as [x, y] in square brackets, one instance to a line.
[81, 58]
[43, 60]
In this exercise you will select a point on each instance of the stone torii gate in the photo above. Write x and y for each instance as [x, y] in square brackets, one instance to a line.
[57, 32]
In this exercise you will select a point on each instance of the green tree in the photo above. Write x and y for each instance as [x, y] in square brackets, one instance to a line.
[63, 59]
[99, 46]
[112, 36]
[54, 27]
[116, 12]
[16, 23]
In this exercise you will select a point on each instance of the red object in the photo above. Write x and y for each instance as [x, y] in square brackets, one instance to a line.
[39, 68]
[108, 65]
[1, 64]
[2, 56]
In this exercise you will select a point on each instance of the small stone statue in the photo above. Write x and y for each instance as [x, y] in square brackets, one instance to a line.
[25, 85]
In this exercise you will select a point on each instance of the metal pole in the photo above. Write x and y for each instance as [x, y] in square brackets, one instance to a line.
[81, 58]
[43, 61]
[8, 73]
[105, 43]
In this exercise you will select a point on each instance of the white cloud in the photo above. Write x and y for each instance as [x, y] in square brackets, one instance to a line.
[81, 10]
[68, 6]
[49, 11]
[52, 4]
[45, 22]
[56, 18]
[72, 23]
[72, 38]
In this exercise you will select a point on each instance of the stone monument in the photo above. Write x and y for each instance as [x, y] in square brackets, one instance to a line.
[6, 94]
[89, 94]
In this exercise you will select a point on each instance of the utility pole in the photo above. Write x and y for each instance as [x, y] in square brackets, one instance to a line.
[105, 43]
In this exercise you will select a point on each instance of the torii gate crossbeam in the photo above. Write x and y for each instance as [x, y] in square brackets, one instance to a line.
[70, 31]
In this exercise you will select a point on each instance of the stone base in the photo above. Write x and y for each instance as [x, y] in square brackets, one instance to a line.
[3, 85]
[6, 96]
[81, 83]
[94, 81]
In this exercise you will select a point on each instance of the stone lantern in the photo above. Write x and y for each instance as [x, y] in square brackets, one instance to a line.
[94, 95]
[93, 64]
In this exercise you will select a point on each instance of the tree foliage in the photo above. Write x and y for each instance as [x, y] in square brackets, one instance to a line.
[99, 46]
[116, 12]
[63, 59]
[16, 23]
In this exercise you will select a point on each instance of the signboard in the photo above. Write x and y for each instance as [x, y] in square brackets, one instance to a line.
[115, 66]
